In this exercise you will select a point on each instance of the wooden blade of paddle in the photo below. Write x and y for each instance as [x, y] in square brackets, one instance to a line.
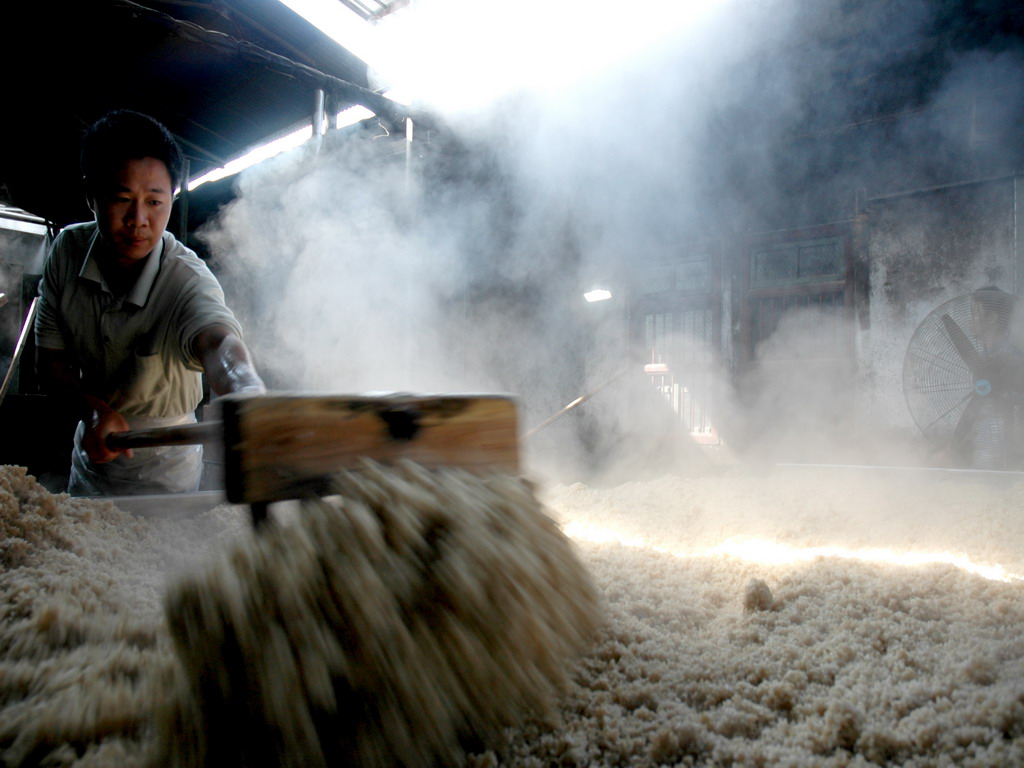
[285, 446]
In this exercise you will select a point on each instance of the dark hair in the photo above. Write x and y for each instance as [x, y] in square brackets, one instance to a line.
[125, 135]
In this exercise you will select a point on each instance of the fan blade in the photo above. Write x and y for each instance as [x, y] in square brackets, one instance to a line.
[968, 353]
[966, 420]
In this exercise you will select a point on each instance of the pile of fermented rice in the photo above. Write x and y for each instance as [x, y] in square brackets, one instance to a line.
[409, 614]
[84, 652]
[803, 617]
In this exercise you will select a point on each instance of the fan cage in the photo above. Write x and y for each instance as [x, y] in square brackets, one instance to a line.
[962, 374]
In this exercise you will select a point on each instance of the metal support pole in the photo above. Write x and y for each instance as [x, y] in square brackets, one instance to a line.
[183, 204]
[407, 353]
[408, 154]
[319, 112]
[1018, 241]
[26, 329]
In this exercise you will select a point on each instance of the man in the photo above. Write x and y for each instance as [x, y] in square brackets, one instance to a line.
[128, 317]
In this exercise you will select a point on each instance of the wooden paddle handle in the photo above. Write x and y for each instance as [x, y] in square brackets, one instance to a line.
[205, 432]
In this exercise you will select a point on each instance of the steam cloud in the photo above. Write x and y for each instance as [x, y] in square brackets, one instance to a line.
[468, 274]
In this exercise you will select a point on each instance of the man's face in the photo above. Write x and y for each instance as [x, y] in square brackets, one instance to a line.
[133, 211]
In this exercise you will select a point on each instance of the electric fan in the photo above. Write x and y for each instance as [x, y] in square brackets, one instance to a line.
[962, 378]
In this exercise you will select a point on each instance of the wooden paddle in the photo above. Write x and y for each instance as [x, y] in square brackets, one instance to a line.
[280, 447]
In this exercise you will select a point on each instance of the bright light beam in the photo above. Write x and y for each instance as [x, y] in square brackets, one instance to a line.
[454, 55]
[342, 25]
[253, 156]
[766, 552]
[424, 51]
[289, 141]
[458, 54]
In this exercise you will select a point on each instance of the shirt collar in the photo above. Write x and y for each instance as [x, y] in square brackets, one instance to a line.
[143, 284]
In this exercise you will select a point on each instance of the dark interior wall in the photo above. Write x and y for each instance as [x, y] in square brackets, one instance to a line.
[861, 95]
[925, 249]
[38, 437]
[933, 245]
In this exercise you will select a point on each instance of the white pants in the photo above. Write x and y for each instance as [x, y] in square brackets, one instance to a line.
[164, 469]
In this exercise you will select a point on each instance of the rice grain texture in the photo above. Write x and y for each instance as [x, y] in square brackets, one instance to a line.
[412, 614]
[915, 660]
[85, 659]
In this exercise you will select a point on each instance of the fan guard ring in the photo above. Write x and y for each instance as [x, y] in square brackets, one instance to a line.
[963, 375]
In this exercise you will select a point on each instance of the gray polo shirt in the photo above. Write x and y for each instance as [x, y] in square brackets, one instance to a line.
[134, 351]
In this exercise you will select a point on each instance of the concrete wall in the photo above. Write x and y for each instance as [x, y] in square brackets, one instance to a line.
[922, 250]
